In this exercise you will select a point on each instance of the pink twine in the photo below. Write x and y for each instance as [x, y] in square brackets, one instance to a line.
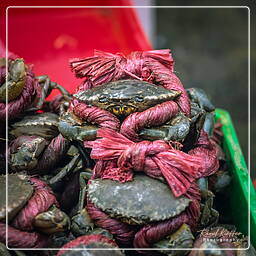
[151, 66]
[21, 239]
[152, 233]
[95, 115]
[154, 116]
[123, 233]
[154, 158]
[87, 240]
[53, 154]
[42, 199]
[208, 152]
[21, 103]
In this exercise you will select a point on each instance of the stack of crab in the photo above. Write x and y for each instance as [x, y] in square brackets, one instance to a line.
[131, 160]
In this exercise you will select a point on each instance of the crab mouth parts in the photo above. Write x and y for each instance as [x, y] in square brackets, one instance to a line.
[122, 110]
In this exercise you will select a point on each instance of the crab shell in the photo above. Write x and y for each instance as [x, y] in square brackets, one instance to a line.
[19, 192]
[124, 97]
[181, 238]
[90, 252]
[43, 124]
[88, 243]
[140, 201]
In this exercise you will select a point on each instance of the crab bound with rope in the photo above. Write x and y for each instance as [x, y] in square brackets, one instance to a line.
[135, 115]
[121, 142]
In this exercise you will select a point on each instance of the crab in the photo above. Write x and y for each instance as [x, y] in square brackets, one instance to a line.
[122, 98]
[44, 125]
[87, 243]
[81, 223]
[202, 108]
[47, 86]
[220, 181]
[74, 162]
[138, 202]
[181, 238]
[31, 136]
[215, 239]
[209, 216]
[16, 79]
[20, 190]
[52, 221]
[202, 116]
[13, 85]
[24, 152]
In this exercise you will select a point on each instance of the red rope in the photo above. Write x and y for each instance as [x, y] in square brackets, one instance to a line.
[154, 116]
[151, 66]
[208, 152]
[21, 239]
[152, 233]
[217, 133]
[119, 154]
[94, 115]
[53, 154]
[123, 233]
[50, 157]
[87, 240]
[21, 103]
[154, 158]
[42, 199]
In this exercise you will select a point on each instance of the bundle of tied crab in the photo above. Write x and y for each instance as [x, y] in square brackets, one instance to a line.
[132, 160]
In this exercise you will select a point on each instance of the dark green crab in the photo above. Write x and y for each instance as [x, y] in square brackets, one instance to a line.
[16, 79]
[44, 125]
[141, 201]
[202, 116]
[181, 238]
[209, 216]
[138, 202]
[25, 151]
[202, 110]
[122, 98]
[47, 86]
[20, 190]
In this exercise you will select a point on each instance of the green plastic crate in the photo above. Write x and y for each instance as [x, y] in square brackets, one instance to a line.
[241, 183]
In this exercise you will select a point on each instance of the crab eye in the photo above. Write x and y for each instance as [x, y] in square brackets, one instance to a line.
[139, 98]
[103, 99]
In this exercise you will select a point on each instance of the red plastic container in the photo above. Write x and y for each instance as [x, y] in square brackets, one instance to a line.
[49, 37]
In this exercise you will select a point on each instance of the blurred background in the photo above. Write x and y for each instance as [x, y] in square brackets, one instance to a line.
[210, 49]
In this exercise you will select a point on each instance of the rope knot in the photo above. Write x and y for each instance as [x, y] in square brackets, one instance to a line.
[134, 156]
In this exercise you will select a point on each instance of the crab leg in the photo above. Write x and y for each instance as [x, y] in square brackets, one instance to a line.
[46, 87]
[70, 167]
[174, 130]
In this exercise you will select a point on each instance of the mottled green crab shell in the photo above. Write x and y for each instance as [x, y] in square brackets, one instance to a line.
[42, 124]
[139, 201]
[97, 245]
[19, 192]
